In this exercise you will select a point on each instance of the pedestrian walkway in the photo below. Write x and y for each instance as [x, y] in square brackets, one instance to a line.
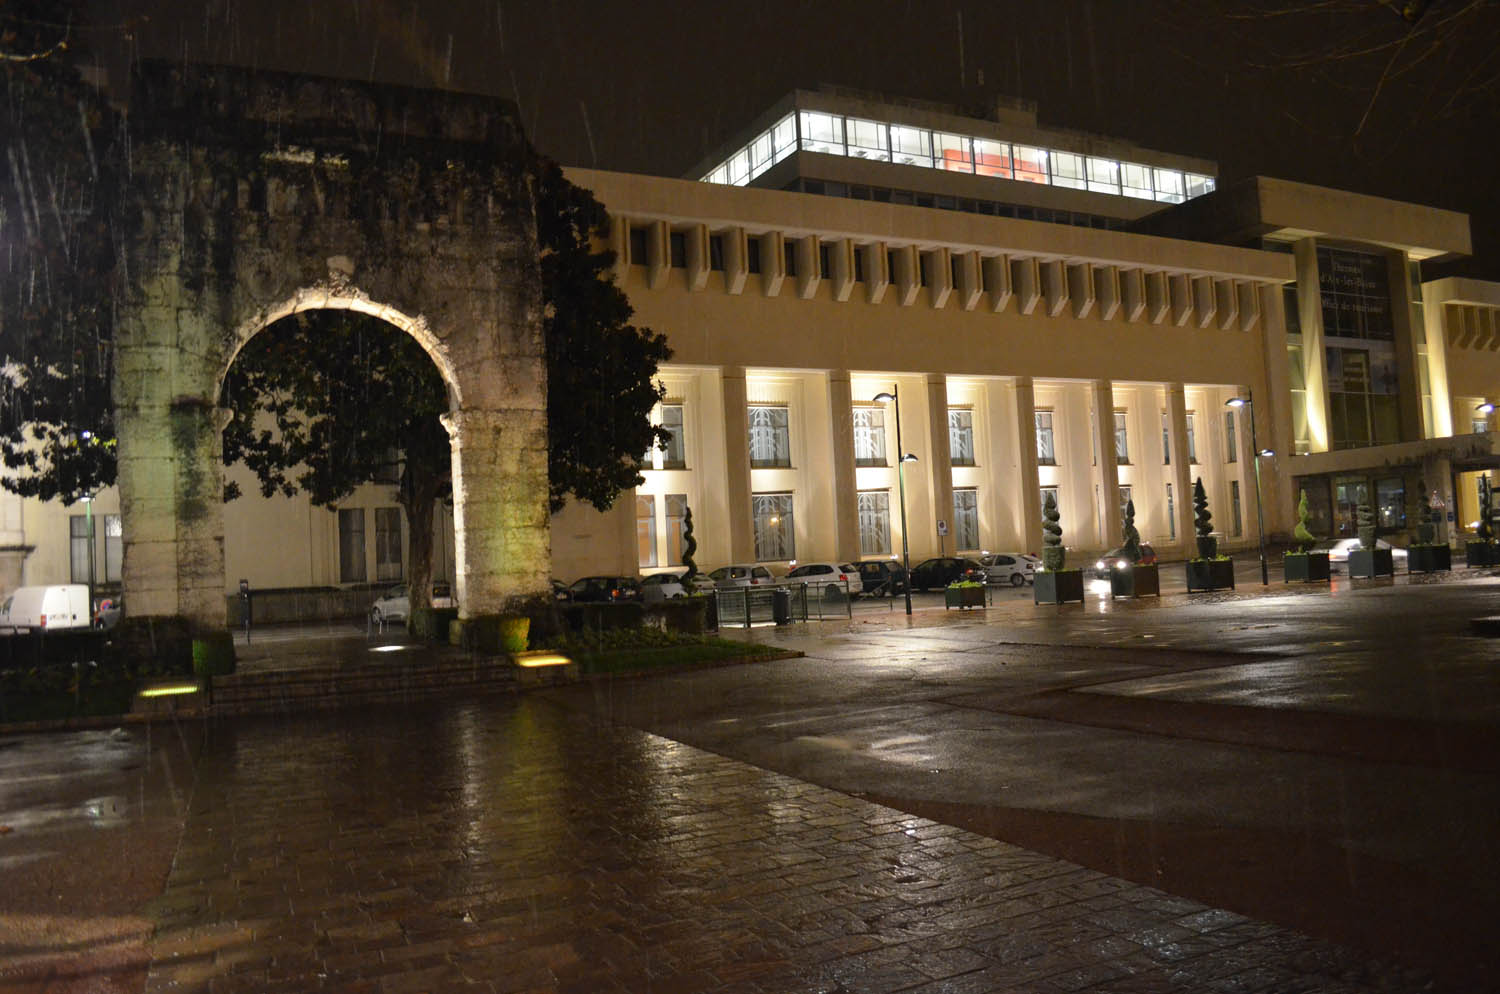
[507, 845]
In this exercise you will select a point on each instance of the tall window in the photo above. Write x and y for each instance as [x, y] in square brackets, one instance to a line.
[965, 518]
[961, 437]
[645, 529]
[770, 439]
[388, 543]
[676, 511]
[869, 436]
[1171, 515]
[672, 456]
[1192, 439]
[1236, 525]
[1124, 499]
[352, 545]
[1479, 425]
[78, 548]
[1231, 446]
[1166, 440]
[114, 547]
[1046, 449]
[874, 522]
[774, 534]
[1122, 440]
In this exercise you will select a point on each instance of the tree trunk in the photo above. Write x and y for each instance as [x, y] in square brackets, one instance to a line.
[419, 500]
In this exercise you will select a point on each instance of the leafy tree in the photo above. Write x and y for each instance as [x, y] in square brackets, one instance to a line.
[60, 157]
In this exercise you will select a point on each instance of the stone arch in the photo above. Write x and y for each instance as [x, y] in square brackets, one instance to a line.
[261, 194]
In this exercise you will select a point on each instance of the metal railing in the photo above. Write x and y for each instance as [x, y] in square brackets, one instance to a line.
[782, 603]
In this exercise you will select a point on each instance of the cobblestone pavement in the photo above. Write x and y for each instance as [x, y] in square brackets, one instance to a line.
[508, 845]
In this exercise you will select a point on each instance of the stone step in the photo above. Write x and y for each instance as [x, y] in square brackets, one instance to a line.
[323, 687]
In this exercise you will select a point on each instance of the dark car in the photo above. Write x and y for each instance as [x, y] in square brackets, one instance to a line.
[1118, 559]
[880, 577]
[594, 589]
[944, 570]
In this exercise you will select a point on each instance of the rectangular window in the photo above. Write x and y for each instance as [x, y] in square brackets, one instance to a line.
[774, 534]
[1125, 499]
[954, 153]
[388, 543]
[352, 545]
[770, 438]
[825, 267]
[789, 257]
[1390, 502]
[677, 506]
[638, 253]
[1169, 186]
[1231, 446]
[1479, 425]
[1197, 185]
[78, 548]
[114, 547]
[1030, 163]
[1192, 439]
[1171, 515]
[645, 529]
[1104, 175]
[752, 254]
[1356, 297]
[1067, 170]
[859, 263]
[1236, 523]
[868, 140]
[874, 522]
[716, 253]
[992, 158]
[1122, 440]
[961, 438]
[965, 518]
[869, 436]
[822, 133]
[673, 456]
[911, 146]
[677, 241]
[1136, 180]
[1046, 449]
[1052, 492]
[1166, 440]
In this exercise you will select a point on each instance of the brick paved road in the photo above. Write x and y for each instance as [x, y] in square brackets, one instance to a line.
[510, 846]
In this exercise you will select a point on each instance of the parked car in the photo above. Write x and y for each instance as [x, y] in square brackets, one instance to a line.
[559, 590]
[670, 585]
[1338, 552]
[47, 608]
[943, 570]
[1118, 559]
[395, 603]
[603, 589]
[107, 614]
[882, 577]
[824, 575]
[1014, 568]
[742, 575]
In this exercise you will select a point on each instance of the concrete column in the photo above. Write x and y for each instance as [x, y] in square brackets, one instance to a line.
[1314, 361]
[1437, 478]
[1273, 418]
[845, 501]
[502, 545]
[1181, 475]
[1107, 472]
[940, 461]
[1409, 395]
[1028, 479]
[737, 465]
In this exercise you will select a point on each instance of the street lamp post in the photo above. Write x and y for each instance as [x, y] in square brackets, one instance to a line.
[1241, 403]
[901, 459]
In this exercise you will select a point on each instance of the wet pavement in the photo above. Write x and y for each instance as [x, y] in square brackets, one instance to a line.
[1287, 793]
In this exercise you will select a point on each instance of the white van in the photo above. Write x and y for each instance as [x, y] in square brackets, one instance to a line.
[46, 608]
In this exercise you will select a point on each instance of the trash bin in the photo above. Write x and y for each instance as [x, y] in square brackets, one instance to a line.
[781, 606]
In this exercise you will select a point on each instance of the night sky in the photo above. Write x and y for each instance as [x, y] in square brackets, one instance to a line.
[651, 86]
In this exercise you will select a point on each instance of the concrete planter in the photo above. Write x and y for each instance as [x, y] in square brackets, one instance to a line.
[963, 597]
[1306, 567]
[1429, 559]
[1058, 586]
[1370, 563]
[1137, 580]
[1482, 554]
[1210, 574]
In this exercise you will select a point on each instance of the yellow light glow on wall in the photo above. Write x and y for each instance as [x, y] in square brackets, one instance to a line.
[170, 690]
[541, 658]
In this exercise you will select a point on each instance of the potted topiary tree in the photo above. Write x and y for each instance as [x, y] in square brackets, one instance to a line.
[1305, 565]
[1483, 550]
[1136, 579]
[1368, 560]
[1053, 584]
[1209, 571]
[1426, 555]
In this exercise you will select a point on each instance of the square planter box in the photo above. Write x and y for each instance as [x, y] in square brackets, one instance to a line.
[1135, 581]
[1429, 559]
[963, 597]
[1482, 554]
[1210, 574]
[1370, 563]
[1058, 588]
[1306, 567]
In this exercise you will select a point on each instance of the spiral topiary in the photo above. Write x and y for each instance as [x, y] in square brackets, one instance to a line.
[1131, 537]
[1364, 523]
[689, 546]
[1486, 529]
[1053, 554]
[1203, 522]
[1304, 538]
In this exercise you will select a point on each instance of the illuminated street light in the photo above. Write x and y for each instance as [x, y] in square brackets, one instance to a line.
[1486, 408]
[1260, 521]
[895, 398]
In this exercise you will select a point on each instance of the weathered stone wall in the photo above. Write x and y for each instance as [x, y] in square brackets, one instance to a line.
[258, 195]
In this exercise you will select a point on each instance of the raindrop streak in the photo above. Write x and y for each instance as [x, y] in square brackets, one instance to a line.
[448, 63]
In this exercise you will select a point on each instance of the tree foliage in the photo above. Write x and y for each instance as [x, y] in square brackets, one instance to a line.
[60, 179]
[1054, 556]
[1203, 519]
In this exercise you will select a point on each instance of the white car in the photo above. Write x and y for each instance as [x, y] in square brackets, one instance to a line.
[1014, 568]
[1338, 552]
[670, 585]
[395, 605]
[822, 575]
[742, 575]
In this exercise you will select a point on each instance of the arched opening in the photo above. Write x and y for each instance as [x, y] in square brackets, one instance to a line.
[332, 409]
